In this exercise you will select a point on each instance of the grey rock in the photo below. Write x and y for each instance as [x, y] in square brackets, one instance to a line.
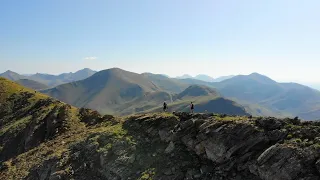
[318, 165]
[186, 124]
[170, 148]
[270, 123]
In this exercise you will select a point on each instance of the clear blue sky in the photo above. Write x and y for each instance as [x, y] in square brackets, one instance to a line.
[278, 38]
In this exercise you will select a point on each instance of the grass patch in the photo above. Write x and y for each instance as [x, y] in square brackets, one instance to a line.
[147, 174]
[230, 118]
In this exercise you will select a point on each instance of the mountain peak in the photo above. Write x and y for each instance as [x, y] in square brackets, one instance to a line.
[9, 72]
[198, 90]
[204, 77]
[261, 78]
[185, 76]
[255, 74]
[11, 75]
[253, 77]
[85, 70]
[83, 73]
[114, 70]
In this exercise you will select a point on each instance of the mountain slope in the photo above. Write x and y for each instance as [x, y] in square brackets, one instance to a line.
[222, 78]
[105, 90]
[28, 119]
[32, 84]
[13, 76]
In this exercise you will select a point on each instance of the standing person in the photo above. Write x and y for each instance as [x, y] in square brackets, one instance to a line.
[192, 107]
[165, 106]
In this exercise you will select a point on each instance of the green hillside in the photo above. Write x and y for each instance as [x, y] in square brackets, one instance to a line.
[28, 118]
[32, 84]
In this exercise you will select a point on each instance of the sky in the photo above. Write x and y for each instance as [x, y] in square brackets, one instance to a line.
[277, 38]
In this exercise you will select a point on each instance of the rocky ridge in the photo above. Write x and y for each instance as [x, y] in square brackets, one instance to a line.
[185, 146]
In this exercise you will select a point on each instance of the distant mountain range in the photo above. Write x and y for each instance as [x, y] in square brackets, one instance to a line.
[255, 88]
[117, 91]
[121, 92]
[206, 78]
[50, 80]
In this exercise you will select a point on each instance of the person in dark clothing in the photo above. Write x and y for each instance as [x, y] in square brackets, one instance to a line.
[165, 106]
[192, 107]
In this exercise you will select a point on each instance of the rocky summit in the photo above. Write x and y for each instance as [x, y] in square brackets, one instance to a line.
[172, 146]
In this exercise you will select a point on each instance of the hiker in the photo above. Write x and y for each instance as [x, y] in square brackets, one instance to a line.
[164, 106]
[191, 107]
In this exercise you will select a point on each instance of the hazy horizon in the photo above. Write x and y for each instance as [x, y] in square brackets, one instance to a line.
[275, 38]
[314, 85]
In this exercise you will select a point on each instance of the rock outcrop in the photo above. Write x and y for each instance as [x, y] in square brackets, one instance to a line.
[261, 148]
[179, 146]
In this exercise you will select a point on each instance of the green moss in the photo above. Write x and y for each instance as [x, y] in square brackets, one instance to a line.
[147, 174]
[230, 118]
[316, 146]
[293, 127]
[298, 140]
